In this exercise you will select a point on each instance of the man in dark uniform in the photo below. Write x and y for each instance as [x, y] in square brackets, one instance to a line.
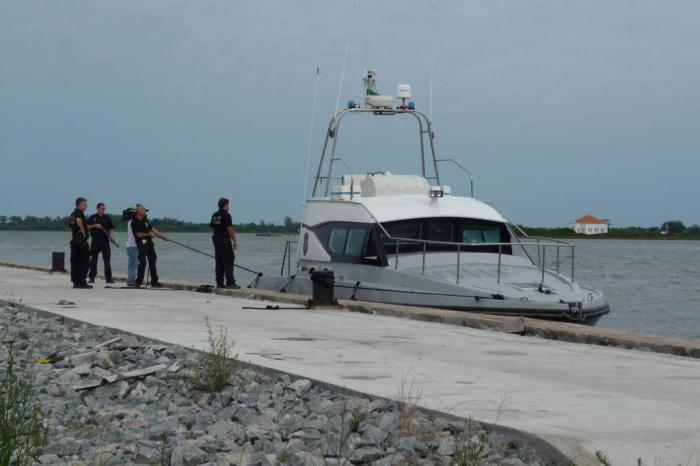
[225, 243]
[144, 232]
[101, 238]
[79, 249]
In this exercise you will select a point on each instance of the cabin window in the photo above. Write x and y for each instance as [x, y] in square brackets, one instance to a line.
[476, 232]
[492, 235]
[352, 242]
[438, 231]
[411, 229]
[448, 230]
[336, 242]
[471, 236]
[355, 241]
[346, 241]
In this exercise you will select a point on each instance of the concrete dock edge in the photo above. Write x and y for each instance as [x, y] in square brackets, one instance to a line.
[561, 331]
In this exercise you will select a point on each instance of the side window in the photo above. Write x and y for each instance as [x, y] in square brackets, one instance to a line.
[356, 239]
[336, 240]
[471, 235]
[492, 235]
[344, 241]
[439, 231]
[412, 230]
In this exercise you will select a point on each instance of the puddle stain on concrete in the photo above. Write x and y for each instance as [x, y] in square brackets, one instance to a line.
[274, 356]
[364, 377]
[505, 353]
[298, 339]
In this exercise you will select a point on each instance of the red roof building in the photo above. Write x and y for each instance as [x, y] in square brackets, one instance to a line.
[590, 225]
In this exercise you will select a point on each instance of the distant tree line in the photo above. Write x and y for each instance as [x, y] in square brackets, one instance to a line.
[167, 224]
[676, 230]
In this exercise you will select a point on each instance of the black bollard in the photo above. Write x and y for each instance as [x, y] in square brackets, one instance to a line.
[323, 292]
[58, 262]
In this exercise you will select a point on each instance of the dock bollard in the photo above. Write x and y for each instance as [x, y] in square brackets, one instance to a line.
[323, 292]
[58, 262]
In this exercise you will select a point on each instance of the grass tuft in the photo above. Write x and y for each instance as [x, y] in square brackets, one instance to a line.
[217, 368]
[409, 397]
[22, 431]
[602, 458]
[470, 448]
[356, 419]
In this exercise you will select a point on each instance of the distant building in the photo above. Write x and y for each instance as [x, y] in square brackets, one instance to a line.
[590, 225]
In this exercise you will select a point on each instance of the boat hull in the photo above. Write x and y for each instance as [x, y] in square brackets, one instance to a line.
[587, 313]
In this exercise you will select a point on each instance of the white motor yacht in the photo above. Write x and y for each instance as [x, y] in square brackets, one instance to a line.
[405, 239]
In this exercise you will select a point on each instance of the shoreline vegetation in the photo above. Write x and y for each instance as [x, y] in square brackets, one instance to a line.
[165, 224]
[290, 226]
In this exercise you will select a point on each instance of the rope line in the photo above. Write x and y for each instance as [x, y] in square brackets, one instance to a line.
[259, 274]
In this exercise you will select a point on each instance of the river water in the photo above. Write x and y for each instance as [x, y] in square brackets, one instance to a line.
[652, 286]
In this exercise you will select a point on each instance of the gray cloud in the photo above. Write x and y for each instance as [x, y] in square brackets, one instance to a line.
[559, 108]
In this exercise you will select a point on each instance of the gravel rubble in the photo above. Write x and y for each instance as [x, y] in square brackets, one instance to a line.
[264, 419]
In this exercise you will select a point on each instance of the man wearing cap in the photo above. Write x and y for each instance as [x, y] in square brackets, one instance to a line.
[79, 249]
[224, 239]
[144, 232]
[101, 238]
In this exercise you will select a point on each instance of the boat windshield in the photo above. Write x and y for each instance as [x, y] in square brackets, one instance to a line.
[469, 231]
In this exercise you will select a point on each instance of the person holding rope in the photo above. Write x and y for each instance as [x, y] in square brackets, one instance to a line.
[144, 232]
[225, 243]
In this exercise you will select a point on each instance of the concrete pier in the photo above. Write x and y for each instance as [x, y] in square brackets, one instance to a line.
[582, 398]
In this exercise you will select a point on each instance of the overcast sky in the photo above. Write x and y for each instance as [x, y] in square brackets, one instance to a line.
[558, 108]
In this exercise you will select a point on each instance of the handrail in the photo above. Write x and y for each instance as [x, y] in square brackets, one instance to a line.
[556, 243]
[329, 145]
[539, 243]
[469, 175]
[287, 257]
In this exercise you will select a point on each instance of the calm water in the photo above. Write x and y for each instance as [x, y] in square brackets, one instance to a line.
[652, 286]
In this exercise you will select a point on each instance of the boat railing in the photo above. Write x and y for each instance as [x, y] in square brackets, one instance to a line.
[287, 257]
[470, 178]
[542, 245]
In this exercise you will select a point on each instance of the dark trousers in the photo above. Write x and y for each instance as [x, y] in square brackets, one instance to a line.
[147, 251]
[96, 248]
[224, 256]
[79, 260]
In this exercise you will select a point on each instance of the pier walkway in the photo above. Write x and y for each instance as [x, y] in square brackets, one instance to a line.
[582, 398]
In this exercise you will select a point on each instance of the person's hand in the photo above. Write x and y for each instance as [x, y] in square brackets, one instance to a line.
[235, 244]
[151, 234]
